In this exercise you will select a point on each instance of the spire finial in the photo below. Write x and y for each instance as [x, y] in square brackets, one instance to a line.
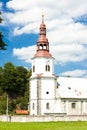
[42, 17]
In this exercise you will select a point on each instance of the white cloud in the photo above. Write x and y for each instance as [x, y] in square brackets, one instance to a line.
[69, 38]
[75, 73]
[26, 29]
[67, 6]
[58, 17]
[68, 32]
[0, 5]
[25, 53]
[23, 17]
[64, 53]
[21, 4]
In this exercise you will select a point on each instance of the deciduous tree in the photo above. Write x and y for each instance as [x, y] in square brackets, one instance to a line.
[2, 43]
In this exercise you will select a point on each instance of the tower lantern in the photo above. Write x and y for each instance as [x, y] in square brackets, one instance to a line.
[42, 42]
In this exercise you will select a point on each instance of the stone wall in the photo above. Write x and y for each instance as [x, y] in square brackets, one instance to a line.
[42, 118]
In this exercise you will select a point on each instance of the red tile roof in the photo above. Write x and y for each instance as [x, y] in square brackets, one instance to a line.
[42, 54]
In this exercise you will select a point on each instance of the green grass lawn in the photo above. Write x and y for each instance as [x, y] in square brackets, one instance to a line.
[44, 126]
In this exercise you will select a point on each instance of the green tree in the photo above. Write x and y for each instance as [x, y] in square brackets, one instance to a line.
[21, 80]
[2, 43]
[23, 85]
[28, 84]
[14, 82]
[22, 103]
[1, 76]
[9, 79]
[3, 104]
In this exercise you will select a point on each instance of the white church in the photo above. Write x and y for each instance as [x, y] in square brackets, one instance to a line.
[50, 94]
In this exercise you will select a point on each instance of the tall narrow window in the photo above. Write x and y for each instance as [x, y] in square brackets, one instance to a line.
[47, 67]
[45, 46]
[73, 105]
[47, 106]
[41, 46]
[33, 68]
[33, 106]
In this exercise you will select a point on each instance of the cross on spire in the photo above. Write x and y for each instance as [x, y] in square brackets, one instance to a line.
[42, 17]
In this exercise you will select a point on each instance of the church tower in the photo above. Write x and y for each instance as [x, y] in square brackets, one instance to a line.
[43, 81]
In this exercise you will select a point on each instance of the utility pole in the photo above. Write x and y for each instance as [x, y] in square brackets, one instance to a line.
[7, 107]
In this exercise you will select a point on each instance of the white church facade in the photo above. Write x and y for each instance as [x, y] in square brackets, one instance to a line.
[50, 94]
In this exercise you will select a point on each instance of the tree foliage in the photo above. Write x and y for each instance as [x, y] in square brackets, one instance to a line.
[3, 104]
[14, 81]
[2, 43]
[1, 77]
[9, 79]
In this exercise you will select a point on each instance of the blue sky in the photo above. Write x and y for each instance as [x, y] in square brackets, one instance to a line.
[66, 23]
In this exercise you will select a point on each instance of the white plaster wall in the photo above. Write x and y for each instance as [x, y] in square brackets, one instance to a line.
[47, 85]
[33, 112]
[33, 89]
[84, 107]
[81, 108]
[42, 118]
[43, 106]
[73, 111]
[40, 64]
[33, 96]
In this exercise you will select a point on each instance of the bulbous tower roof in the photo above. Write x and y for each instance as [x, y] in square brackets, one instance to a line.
[42, 42]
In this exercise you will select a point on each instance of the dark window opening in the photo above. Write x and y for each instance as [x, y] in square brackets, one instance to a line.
[45, 47]
[41, 46]
[69, 88]
[73, 105]
[47, 92]
[33, 68]
[47, 106]
[47, 68]
[33, 106]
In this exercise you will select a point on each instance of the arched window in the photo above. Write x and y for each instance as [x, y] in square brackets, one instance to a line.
[41, 46]
[47, 106]
[33, 106]
[33, 68]
[73, 105]
[45, 47]
[47, 67]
